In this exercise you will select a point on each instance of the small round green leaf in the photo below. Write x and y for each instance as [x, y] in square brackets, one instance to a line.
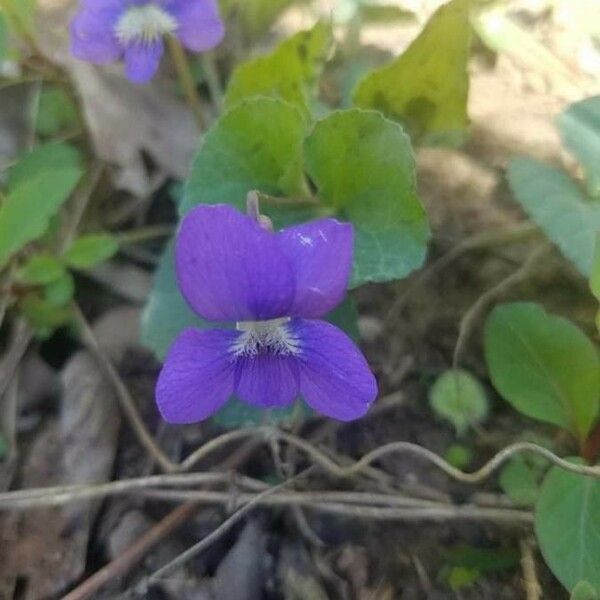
[567, 525]
[41, 270]
[459, 456]
[90, 250]
[544, 366]
[459, 398]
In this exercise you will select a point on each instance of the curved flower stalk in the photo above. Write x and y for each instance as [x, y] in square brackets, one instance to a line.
[104, 31]
[274, 288]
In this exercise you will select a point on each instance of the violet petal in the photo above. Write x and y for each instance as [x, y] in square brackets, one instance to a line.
[197, 376]
[200, 26]
[321, 257]
[267, 380]
[142, 60]
[231, 269]
[92, 31]
[335, 379]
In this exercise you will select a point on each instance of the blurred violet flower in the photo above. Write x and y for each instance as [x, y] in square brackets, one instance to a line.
[104, 31]
[275, 287]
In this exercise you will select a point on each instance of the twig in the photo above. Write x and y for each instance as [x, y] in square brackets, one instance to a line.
[487, 239]
[533, 589]
[67, 494]
[471, 317]
[134, 553]
[12, 357]
[215, 535]
[186, 80]
[123, 563]
[125, 400]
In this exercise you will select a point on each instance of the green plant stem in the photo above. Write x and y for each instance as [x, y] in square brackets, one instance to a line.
[215, 89]
[186, 80]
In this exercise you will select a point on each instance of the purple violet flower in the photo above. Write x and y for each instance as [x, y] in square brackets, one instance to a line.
[104, 31]
[275, 287]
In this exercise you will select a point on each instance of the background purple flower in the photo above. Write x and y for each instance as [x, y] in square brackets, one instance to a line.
[274, 286]
[104, 31]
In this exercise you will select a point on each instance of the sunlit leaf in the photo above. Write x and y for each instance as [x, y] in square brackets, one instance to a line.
[254, 146]
[427, 87]
[363, 166]
[459, 398]
[567, 526]
[544, 366]
[556, 204]
[580, 129]
[290, 72]
[37, 186]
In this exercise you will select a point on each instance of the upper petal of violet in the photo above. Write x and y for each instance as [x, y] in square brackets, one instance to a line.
[93, 31]
[321, 256]
[200, 25]
[335, 378]
[231, 269]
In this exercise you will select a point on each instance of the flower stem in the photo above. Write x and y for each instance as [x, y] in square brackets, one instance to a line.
[186, 80]
[215, 89]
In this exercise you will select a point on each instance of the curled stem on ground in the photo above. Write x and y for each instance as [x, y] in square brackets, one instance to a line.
[487, 239]
[52, 496]
[471, 317]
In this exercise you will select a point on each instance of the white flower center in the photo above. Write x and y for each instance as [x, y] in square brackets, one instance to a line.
[273, 337]
[144, 24]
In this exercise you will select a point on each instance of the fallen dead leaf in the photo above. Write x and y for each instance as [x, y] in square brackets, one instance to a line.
[45, 550]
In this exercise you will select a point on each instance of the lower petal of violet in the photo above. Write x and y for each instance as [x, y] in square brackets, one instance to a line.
[335, 379]
[267, 380]
[197, 377]
[142, 60]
